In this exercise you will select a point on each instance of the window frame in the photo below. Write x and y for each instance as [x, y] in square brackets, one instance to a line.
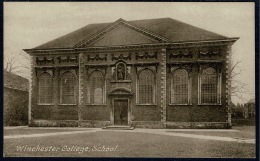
[154, 87]
[88, 102]
[38, 82]
[219, 85]
[189, 82]
[75, 88]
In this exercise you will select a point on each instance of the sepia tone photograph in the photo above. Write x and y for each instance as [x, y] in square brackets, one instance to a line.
[129, 80]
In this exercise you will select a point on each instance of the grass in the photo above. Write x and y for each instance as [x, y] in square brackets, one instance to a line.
[247, 132]
[238, 134]
[131, 145]
[25, 131]
[249, 129]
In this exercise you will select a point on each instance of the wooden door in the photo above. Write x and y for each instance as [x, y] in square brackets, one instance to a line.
[121, 112]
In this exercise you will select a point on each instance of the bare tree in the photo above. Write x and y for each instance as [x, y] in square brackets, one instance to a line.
[9, 64]
[238, 88]
[17, 63]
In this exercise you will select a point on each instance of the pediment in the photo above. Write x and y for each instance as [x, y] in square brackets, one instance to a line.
[120, 33]
[120, 91]
[123, 35]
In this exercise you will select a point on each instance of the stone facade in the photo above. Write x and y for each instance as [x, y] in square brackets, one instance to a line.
[107, 84]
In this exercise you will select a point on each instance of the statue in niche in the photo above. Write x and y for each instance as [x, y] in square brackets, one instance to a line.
[120, 72]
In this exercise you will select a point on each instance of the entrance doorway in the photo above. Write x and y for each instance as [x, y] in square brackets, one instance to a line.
[121, 112]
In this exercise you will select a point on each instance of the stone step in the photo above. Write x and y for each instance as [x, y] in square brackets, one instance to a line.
[118, 127]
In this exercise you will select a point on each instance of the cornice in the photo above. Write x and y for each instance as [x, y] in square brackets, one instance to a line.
[173, 45]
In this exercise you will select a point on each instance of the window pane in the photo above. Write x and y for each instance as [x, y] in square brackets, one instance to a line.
[45, 88]
[98, 96]
[209, 86]
[180, 87]
[68, 93]
[146, 87]
[96, 88]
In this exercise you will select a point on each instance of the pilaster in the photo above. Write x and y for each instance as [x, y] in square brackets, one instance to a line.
[228, 83]
[30, 91]
[163, 86]
[80, 86]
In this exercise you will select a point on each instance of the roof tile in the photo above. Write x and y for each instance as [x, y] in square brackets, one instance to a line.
[15, 82]
[171, 29]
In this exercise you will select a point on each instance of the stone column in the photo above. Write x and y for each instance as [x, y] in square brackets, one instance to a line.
[81, 81]
[162, 87]
[228, 83]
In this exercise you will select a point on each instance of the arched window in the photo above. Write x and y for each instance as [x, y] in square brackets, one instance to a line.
[68, 88]
[97, 87]
[45, 88]
[180, 87]
[146, 85]
[209, 86]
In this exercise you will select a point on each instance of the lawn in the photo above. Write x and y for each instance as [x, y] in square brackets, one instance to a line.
[25, 131]
[126, 144]
[246, 132]
[248, 129]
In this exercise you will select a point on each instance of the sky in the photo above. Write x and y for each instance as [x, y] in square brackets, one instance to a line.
[30, 24]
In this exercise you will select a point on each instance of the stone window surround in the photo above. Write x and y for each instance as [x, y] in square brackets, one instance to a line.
[219, 83]
[60, 88]
[139, 70]
[88, 88]
[173, 69]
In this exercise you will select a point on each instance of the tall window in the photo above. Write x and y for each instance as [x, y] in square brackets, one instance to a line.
[146, 84]
[209, 86]
[68, 88]
[97, 86]
[180, 87]
[45, 88]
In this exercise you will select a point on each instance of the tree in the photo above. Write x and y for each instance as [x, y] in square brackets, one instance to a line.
[238, 88]
[17, 63]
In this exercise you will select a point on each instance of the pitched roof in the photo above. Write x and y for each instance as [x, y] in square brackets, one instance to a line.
[173, 30]
[15, 81]
[251, 100]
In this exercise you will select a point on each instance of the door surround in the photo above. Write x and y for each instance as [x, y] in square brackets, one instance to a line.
[116, 99]
[121, 94]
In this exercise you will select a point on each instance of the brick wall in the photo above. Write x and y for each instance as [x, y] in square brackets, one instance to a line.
[147, 113]
[151, 116]
[15, 107]
[96, 112]
[54, 111]
[194, 114]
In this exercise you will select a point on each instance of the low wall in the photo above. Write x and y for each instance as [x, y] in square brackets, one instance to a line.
[93, 123]
[69, 123]
[198, 125]
[53, 123]
[148, 124]
[242, 122]
[136, 124]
